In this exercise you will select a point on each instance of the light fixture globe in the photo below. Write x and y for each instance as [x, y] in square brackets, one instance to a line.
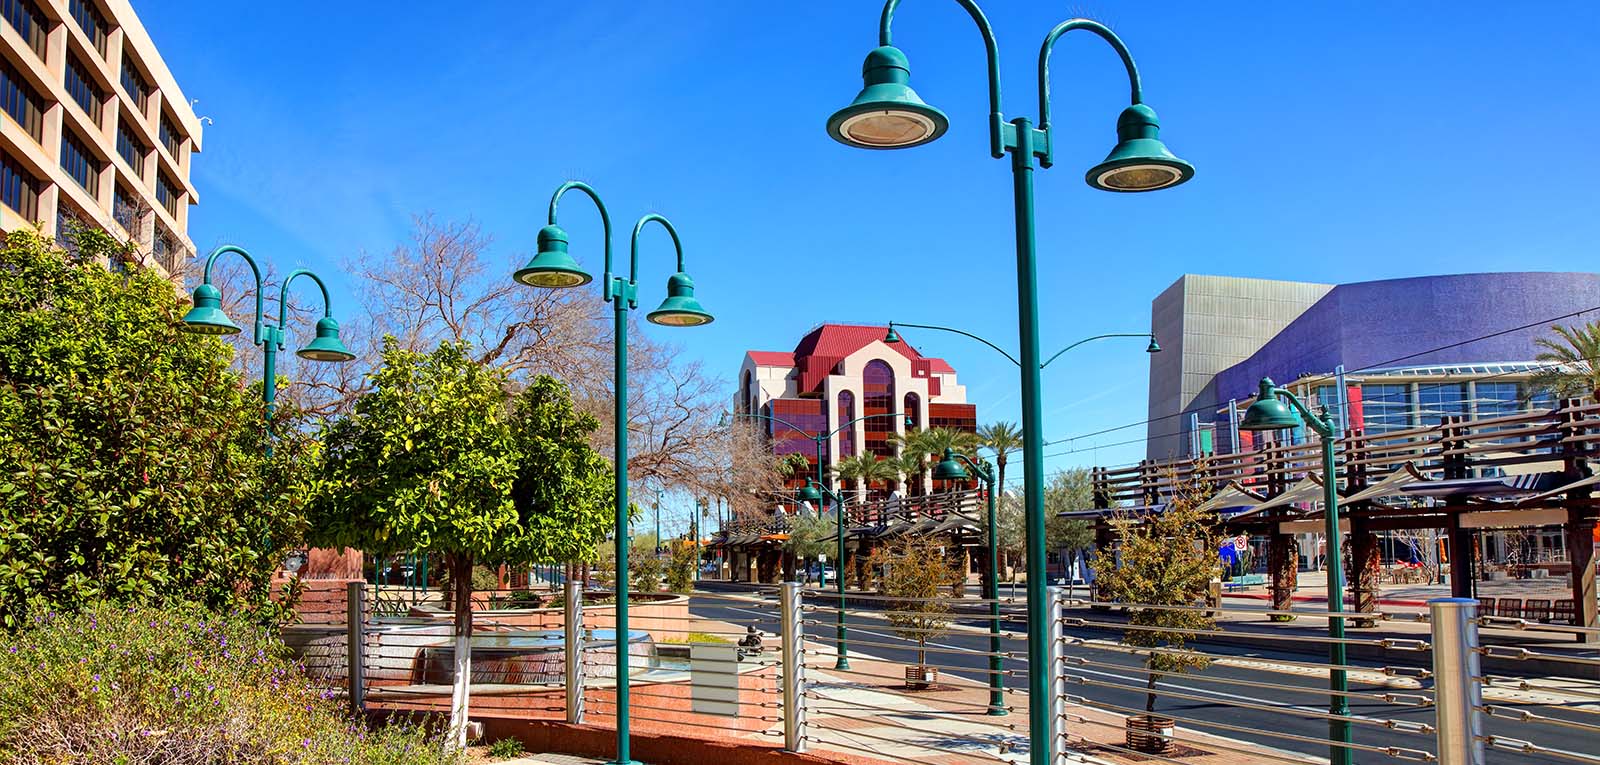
[1153, 347]
[887, 113]
[207, 316]
[808, 493]
[680, 309]
[949, 468]
[552, 267]
[327, 346]
[1269, 412]
[1140, 162]
[893, 336]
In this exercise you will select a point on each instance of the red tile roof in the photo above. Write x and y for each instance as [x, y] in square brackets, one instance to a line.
[818, 353]
[772, 358]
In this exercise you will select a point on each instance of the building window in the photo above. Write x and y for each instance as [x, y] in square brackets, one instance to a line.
[847, 412]
[80, 163]
[18, 189]
[1498, 399]
[963, 417]
[91, 22]
[1385, 408]
[25, 17]
[166, 251]
[19, 100]
[125, 210]
[168, 195]
[134, 84]
[130, 149]
[83, 90]
[170, 138]
[913, 410]
[877, 398]
[1436, 401]
[745, 404]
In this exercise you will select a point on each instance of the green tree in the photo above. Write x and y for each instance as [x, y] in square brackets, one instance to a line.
[793, 464]
[914, 573]
[1068, 490]
[909, 466]
[1002, 438]
[132, 462]
[810, 536]
[680, 569]
[863, 471]
[1571, 356]
[439, 457]
[1163, 560]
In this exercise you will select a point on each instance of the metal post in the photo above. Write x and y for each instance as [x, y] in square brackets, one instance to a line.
[991, 591]
[624, 293]
[355, 653]
[1339, 733]
[1056, 702]
[269, 378]
[793, 670]
[573, 626]
[1342, 395]
[1458, 683]
[1233, 426]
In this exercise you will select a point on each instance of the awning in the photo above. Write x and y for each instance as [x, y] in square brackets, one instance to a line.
[1231, 496]
[1308, 489]
[1392, 485]
[1578, 484]
[1503, 486]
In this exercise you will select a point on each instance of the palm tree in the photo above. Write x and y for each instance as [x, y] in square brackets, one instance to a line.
[1002, 438]
[864, 470]
[909, 466]
[792, 464]
[1573, 371]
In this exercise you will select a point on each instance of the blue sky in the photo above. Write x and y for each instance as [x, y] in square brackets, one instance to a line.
[1334, 142]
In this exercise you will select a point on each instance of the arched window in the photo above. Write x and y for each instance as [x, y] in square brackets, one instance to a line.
[847, 412]
[877, 381]
[913, 410]
[746, 404]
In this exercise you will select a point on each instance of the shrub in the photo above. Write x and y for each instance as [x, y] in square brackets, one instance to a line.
[115, 685]
[680, 569]
[506, 748]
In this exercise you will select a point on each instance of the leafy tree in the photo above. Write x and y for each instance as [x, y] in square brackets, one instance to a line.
[132, 462]
[909, 466]
[1163, 560]
[810, 536]
[1070, 489]
[793, 464]
[864, 470]
[439, 457]
[680, 569]
[1002, 438]
[914, 572]
[1571, 355]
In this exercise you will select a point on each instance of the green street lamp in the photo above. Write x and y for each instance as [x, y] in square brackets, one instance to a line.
[1269, 412]
[886, 114]
[208, 318]
[813, 492]
[894, 337]
[954, 468]
[553, 267]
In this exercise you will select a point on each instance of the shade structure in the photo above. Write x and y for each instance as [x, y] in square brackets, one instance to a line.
[681, 308]
[207, 316]
[552, 266]
[1139, 161]
[949, 468]
[887, 113]
[327, 346]
[1269, 412]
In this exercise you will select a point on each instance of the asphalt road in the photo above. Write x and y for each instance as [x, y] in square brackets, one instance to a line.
[1219, 691]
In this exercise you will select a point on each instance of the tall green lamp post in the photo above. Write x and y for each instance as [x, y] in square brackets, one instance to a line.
[208, 318]
[888, 114]
[813, 492]
[553, 267]
[954, 468]
[1269, 412]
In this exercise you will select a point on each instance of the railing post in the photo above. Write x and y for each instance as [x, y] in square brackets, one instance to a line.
[793, 669]
[1057, 683]
[355, 654]
[1457, 681]
[572, 622]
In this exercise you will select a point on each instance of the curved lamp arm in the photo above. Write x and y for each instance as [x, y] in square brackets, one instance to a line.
[826, 492]
[983, 470]
[1050, 44]
[283, 300]
[1096, 337]
[633, 255]
[778, 420]
[1003, 352]
[254, 269]
[605, 221]
[1323, 428]
[991, 51]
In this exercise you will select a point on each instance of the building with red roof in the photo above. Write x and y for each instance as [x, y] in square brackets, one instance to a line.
[840, 372]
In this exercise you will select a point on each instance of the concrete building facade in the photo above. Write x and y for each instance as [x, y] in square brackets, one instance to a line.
[96, 128]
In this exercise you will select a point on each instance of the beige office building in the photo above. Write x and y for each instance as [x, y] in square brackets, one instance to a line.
[96, 128]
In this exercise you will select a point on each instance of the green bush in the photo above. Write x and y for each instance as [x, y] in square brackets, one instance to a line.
[506, 748]
[127, 685]
[680, 569]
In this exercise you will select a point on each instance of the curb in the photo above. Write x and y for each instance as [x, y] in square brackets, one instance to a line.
[1324, 599]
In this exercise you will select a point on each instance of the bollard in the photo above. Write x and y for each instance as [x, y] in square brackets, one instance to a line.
[355, 659]
[572, 622]
[1057, 683]
[1457, 681]
[793, 669]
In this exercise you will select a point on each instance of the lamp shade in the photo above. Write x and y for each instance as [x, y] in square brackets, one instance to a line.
[327, 346]
[207, 316]
[887, 113]
[808, 493]
[1139, 162]
[1269, 412]
[552, 266]
[1153, 347]
[681, 308]
[892, 337]
[949, 468]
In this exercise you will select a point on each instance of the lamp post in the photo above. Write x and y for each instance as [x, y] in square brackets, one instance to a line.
[813, 492]
[894, 337]
[1270, 413]
[951, 469]
[888, 114]
[208, 318]
[553, 267]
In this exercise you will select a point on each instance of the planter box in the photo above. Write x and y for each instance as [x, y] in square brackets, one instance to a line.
[1151, 734]
[921, 677]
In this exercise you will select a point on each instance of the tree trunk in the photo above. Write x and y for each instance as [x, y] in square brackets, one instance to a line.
[461, 577]
[922, 652]
[1150, 689]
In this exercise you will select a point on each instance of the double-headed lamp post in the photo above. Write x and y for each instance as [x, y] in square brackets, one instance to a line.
[888, 114]
[1269, 412]
[951, 469]
[208, 318]
[813, 492]
[553, 267]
